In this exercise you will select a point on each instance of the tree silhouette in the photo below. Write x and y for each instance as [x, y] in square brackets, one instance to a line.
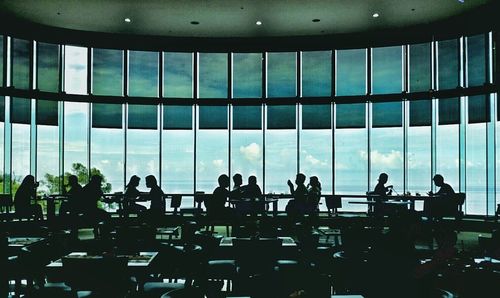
[53, 182]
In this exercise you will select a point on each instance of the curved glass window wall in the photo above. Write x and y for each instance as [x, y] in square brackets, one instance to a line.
[186, 117]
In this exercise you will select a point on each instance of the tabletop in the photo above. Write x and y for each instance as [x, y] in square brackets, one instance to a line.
[286, 241]
[142, 259]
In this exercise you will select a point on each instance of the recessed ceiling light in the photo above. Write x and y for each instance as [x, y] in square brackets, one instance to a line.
[127, 20]
[376, 15]
[195, 23]
[316, 20]
[258, 23]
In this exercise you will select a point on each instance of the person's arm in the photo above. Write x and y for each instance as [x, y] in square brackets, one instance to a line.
[290, 185]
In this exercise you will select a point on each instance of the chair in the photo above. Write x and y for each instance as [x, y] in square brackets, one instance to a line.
[104, 275]
[199, 198]
[332, 204]
[6, 204]
[254, 256]
[175, 202]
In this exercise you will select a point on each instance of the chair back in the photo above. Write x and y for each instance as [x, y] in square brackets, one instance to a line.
[255, 255]
[100, 274]
[6, 202]
[460, 199]
[199, 198]
[333, 203]
[175, 201]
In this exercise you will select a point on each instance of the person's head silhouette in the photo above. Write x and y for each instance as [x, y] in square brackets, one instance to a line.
[151, 181]
[223, 180]
[96, 180]
[438, 180]
[383, 177]
[300, 179]
[72, 180]
[252, 180]
[237, 180]
[134, 181]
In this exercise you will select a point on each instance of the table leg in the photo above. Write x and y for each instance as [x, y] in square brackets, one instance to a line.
[51, 208]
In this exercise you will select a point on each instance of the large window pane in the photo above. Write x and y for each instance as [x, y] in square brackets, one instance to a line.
[47, 67]
[212, 68]
[211, 158]
[143, 74]
[476, 60]
[1, 59]
[20, 153]
[447, 156]
[246, 154]
[387, 70]
[108, 159]
[76, 125]
[281, 161]
[178, 161]
[21, 63]
[317, 73]
[47, 156]
[143, 154]
[2, 142]
[143, 142]
[386, 156]
[317, 160]
[281, 74]
[107, 72]
[448, 64]
[351, 72]
[419, 148]
[75, 70]
[351, 165]
[247, 75]
[420, 67]
[178, 75]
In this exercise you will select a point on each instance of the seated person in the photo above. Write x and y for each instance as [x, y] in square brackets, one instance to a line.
[382, 191]
[380, 188]
[131, 194]
[237, 188]
[91, 194]
[74, 194]
[313, 195]
[157, 207]
[251, 191]
[443, 203]
[217, 205]
[297, 206]
[22, 199]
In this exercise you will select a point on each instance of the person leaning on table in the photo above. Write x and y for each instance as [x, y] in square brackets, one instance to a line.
[436, 206]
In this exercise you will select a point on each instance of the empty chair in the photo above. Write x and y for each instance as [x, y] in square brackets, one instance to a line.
[333, 203]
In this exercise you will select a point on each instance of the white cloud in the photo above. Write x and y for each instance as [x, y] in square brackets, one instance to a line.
[314, 161]
[391, 160]
[218, 163]
[105, 161]
[252, 152]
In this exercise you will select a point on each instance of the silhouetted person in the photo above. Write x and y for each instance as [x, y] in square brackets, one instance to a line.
[313, 195]
[443, 201]
[236, 193]
[217, 205]
[445, 190]
[74, 194]
[155, 195]
[131, 194]
[91, 194]
[252, 189]
[297, 205]
[22, 200]
[380, 188]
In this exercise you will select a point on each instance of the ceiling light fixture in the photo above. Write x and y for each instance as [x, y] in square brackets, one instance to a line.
[127, 20]
[316, 20]
[195, 23]
[258, 23]
[376, 15]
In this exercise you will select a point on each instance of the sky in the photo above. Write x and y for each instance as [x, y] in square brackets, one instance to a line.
[319, 152]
